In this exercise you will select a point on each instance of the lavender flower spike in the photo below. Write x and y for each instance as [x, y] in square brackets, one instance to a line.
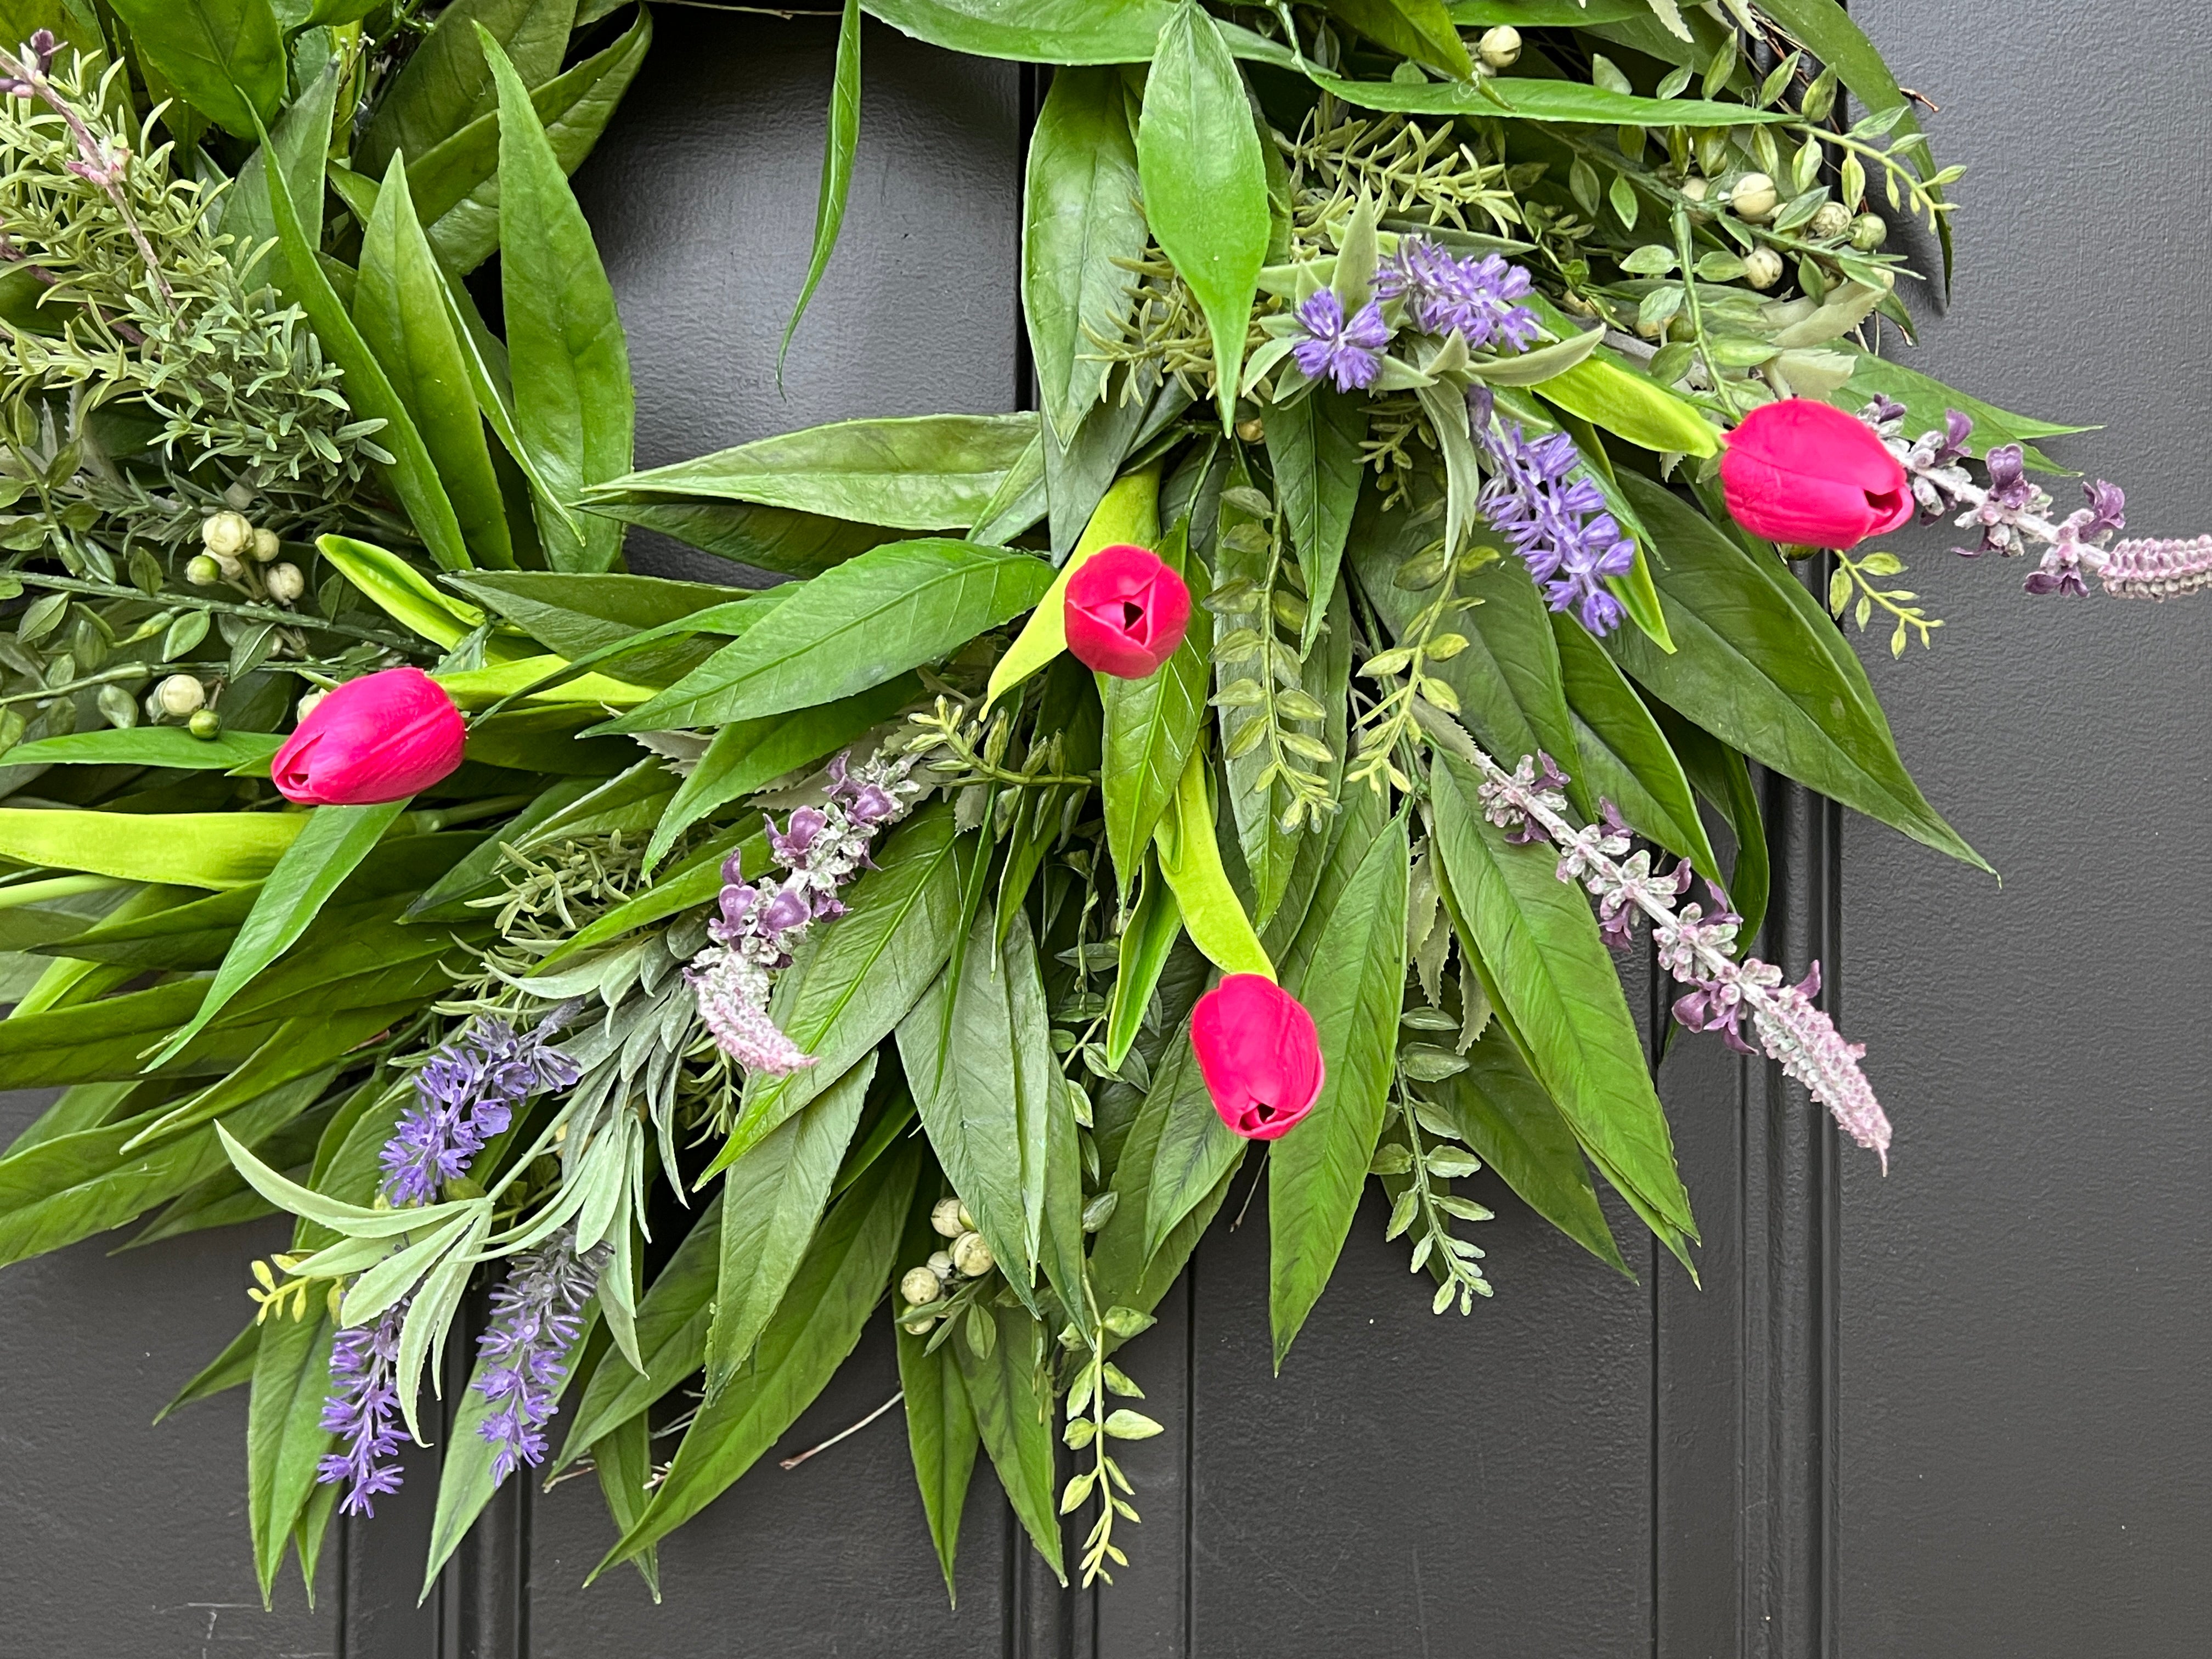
[1696, 949]
[365, 1412]
[1540, 500]
[758, 926]
[465, 1094]
[1476, 297]
[536, 1316]
[1347, 351]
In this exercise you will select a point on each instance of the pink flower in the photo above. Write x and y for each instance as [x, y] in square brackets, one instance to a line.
[1259, 1055]
[378, 738]
[1807, 474]
[1125, 612]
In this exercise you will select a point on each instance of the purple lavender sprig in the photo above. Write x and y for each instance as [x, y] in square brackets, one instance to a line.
[536, 1316]
[758, 926]
[1695, 948]
[364, 1412]
[467, 1093]
[1539, 499]
[2012, 513]
[1480, 298]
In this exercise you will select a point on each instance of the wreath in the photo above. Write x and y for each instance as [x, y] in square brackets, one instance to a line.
[1274, 736]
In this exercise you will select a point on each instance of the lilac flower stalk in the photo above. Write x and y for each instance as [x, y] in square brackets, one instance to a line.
[1347, 351]
[2012, 514]
[759, 924]
[1695, 948]
[1480, 298]
[1539, 498]
[364, 1412]
[467, 1093]
[536, 1316]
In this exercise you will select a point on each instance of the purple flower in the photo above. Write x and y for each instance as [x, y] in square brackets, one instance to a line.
[36, 55]
[1539, 498]
[1475, 296]
[1348, 353]
[536, 1316]
[2108, 508]
[2158, 569]
[364, 1414]
[465, 1094]
[757, 927]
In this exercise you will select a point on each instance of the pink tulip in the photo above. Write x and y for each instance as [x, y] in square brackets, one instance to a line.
[1126, 612]
[378, 738]
[1259, 1055]
[1807, 474]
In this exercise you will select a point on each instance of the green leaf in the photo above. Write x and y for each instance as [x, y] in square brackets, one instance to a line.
[412, 473]
[623, 1461]
[990, 1097]
[1545, 967]
[746, 755]
[1033, 31]
[73, 1186]
[335, 840]
[1205, 183]
[1525, 98]
[940, 1426]
[672, 1323]
[1190, 860]
[401, 592]
[301, 140]
[1153, 723]
[919, 472]
[772, 1199]
[1507, 679]
[846, 994]
[1190, 1149]
[1417, 29]
[1504, 1114]
[838, 149]
[1719, 773]
[1080, 215]
[1314, 448]
[1316, 1171]
[839, 1281]
[575, 614]
[150, 746]
[1760, 665]
[1014, 1418]
[399, 304]
[182, 849]
[1926, 400]
[302, 1044]
[225, 57]
[446, 84]
[284, 1434]
[893, 607]
[1633, 406]
[1625, 756]
[1149, 934]
[691, 882]
[456, 184]
[573, 407]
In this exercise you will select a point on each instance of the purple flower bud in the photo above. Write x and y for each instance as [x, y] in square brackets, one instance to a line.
[2108, 509]
[872, 804]
[789, 908]
[364, 1412]
[805, 824]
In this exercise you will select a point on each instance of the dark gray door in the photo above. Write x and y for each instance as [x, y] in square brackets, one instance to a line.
[1961, 1412]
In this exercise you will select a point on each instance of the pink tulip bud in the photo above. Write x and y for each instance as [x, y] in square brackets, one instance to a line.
[1806, 474]
[1125, 612]
[1259, 1055]
[377, 739]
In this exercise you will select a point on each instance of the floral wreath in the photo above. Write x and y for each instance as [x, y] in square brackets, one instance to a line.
[1396, 573]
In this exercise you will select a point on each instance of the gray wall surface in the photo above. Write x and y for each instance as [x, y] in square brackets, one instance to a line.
[1959, 1411]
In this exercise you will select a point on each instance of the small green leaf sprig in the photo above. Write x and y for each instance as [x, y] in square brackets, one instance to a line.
[1389, 725]
[1855, 576]
[1093, 1423]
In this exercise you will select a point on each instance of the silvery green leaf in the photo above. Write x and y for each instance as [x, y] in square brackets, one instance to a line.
[1126, 1321]
[1442, 1300]
[1126, 1424]
[1424, 1064]
[1534, 368]
[399, 1272]
[1401, 1212]
[1448, 1163]
[1391, 1158]
[1652, 260]
[1465, 1209]
[1422, 1247]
